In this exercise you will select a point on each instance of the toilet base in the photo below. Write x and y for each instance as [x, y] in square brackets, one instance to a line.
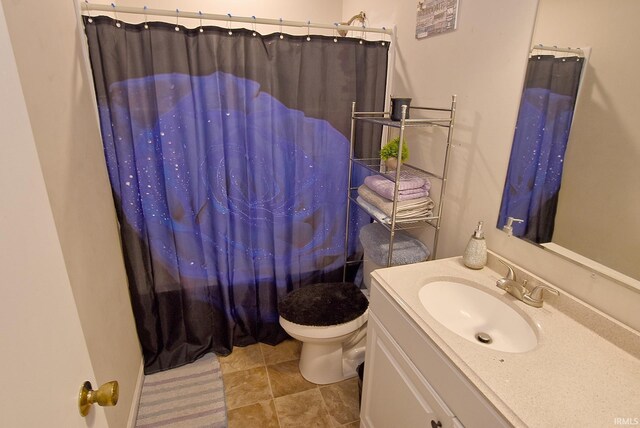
[324, 363]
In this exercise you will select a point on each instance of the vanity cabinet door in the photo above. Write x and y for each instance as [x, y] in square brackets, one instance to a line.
[395, 394]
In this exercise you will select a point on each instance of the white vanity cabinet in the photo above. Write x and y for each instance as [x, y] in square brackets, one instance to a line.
[395, 393]
[409, 382]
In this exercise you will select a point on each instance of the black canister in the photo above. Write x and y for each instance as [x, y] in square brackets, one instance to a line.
[396, 108]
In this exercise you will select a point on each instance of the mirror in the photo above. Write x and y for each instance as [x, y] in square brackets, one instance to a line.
[598, 209]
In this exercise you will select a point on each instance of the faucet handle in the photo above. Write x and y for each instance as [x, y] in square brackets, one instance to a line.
[536, 293]
[510, 274]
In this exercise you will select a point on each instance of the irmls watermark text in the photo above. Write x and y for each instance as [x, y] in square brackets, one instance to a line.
[626, 421]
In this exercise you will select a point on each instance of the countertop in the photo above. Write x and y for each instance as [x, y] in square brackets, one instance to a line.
[584, 372]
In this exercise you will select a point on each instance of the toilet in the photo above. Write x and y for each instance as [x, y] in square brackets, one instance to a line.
[330, 319]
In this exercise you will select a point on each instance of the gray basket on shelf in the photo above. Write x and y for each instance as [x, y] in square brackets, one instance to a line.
[406, 249]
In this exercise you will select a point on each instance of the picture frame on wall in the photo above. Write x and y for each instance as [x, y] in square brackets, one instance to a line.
[436, 17]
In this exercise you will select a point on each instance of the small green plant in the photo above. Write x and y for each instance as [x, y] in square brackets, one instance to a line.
[390, 150]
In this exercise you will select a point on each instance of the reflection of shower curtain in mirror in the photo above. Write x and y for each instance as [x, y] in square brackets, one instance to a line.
[228, 158]
[542, 131]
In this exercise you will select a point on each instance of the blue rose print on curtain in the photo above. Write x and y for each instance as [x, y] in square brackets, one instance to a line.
[224, 182]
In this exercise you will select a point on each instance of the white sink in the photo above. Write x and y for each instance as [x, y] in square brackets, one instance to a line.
[478, 316]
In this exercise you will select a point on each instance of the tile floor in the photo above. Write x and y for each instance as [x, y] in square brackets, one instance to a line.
[264, 389]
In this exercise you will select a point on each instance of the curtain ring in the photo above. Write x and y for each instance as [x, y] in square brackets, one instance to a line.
[363, 35]
[253, 25]
[146, 25]
[281, 36]
[384, 37]
[200, 13]
[115, 15]
[229, 24]
[177, 28]
[90, 19]
[308, 36]
[536, 48]
[335, 33]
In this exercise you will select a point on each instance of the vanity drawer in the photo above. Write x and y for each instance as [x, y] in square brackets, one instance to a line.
[468, 404]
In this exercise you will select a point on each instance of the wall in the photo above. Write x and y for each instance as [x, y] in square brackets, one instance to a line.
[328, 11]
[483, 62]
[61, 109]
[598, 208]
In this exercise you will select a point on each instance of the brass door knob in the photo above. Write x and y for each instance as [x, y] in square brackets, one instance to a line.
[106, 395]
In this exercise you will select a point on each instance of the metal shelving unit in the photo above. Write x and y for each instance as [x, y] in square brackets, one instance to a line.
[376, 165]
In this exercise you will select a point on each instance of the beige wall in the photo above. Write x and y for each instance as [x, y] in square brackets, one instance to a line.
[61, 109]
[599, 209]
[483, 62]
[327, 11]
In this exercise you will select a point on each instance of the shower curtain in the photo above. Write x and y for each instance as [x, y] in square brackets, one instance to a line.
[537, 155]
[227, 155]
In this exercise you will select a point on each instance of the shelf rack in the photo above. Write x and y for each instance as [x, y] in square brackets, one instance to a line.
[376, 165]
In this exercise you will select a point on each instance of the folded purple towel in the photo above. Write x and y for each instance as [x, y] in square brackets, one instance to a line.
[409, 188]
[407, 181]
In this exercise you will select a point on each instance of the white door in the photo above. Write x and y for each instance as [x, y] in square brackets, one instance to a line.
[43, 354]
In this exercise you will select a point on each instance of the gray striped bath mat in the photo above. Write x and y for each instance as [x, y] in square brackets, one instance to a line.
[187, 397]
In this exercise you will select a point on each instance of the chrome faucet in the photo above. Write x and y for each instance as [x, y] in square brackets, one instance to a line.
[533, 297]
[511, 285]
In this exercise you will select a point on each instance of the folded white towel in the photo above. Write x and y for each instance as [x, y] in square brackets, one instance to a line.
[373, 211]
[413, 209]
[381, 217]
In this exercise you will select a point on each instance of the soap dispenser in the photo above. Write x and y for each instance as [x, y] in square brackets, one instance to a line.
[475, 255]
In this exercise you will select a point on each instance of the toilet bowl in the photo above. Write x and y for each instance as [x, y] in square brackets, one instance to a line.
[330, 352]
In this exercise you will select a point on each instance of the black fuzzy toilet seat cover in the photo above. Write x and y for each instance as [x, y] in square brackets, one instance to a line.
[324, 304]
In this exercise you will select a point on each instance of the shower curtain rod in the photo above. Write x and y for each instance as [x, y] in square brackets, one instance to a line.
[216, 17]
[541, 47]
